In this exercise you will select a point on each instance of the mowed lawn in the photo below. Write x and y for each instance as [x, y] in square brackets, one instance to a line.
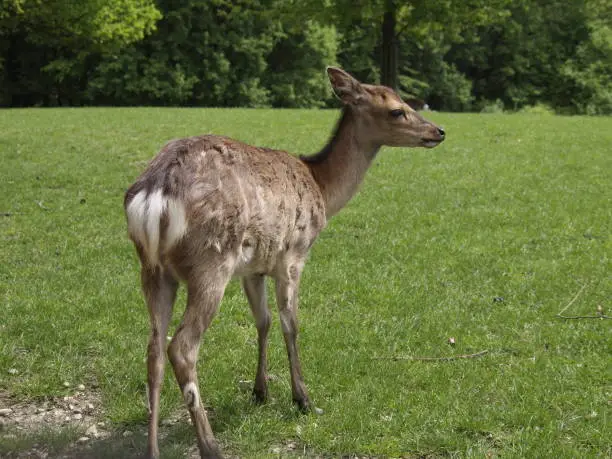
[484, 239]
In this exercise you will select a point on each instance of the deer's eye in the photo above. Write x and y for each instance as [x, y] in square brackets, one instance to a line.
[397, 113]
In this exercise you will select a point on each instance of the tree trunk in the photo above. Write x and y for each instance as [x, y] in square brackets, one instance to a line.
[388, 68]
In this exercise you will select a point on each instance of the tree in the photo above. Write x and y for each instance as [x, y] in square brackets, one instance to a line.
[220, 53]
[553, 52]
[204, 52]
[47, 45]
[295, 76]
[395, 18]
[586, 85]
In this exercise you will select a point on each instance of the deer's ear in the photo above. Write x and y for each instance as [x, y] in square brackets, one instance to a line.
[346, 88]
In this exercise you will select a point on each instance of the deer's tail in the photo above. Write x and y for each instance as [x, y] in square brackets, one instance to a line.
[156, 222]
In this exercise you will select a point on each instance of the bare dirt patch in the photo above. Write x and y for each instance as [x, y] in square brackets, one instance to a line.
[81, 410]
[78, 414]
[73, 426]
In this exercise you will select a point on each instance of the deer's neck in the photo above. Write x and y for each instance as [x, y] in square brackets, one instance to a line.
[339, 168]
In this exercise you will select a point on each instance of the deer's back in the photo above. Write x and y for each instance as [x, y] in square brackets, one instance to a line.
[210, 197]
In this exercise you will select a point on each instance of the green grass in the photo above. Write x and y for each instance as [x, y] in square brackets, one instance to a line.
[514, 207]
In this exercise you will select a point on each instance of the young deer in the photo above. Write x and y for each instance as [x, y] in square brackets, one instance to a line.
[209, 208]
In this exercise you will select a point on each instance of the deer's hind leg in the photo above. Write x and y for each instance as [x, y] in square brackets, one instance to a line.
[159, 289]
[204, 293]
[255, 288]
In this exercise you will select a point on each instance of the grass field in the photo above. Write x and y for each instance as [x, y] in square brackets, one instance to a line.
[483, 239]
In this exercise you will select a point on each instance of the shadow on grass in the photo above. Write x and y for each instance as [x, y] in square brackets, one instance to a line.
[177, 441]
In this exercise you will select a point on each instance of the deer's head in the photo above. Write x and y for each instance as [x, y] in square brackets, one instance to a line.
[382, 113]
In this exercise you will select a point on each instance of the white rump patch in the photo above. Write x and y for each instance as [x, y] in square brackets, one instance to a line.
[144, 214]
[247, 254]
[136, 211]
[191, 395]
[177, 222]
[157, 205]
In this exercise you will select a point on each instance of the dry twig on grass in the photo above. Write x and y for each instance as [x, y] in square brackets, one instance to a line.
[560, 315]
[436, 359]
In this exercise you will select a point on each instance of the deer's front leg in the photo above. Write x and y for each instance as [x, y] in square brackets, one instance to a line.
[287, 299]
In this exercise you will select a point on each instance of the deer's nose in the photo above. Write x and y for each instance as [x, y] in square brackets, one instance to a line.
[441, 132]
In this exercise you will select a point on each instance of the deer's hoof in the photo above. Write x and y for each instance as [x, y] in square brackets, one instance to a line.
[260, 395]
[215, 455]
[211, 451]
[303, 404]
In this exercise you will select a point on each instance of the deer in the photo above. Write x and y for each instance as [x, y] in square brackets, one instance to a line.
[210, 208]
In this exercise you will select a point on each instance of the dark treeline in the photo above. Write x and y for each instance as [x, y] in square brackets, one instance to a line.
[458, 55]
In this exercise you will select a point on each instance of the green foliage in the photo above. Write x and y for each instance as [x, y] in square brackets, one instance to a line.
[296, 66]
[431, 77]
[47, 47]
[131, 78]
[358, 48]
[496, 106]
[121, 22]
[203, 53]
[457, 55]
[537, 109]
[424, 30]
[221, 53]
[450, 89]
[555, 52]
[101, 24]
[10, 8]
[587, 77]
